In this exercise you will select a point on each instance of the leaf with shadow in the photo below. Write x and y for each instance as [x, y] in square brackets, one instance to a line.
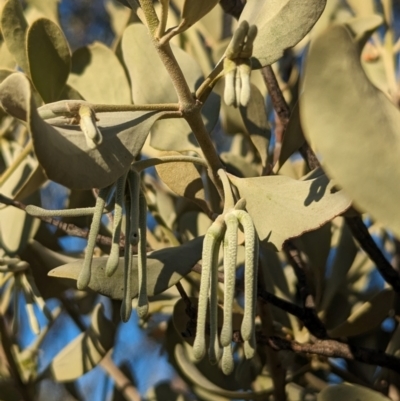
[283, 208]
[165, 268]
[62, 150]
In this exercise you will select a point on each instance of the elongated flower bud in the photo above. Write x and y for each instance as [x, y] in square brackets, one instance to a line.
[211, 244]
[89, 127]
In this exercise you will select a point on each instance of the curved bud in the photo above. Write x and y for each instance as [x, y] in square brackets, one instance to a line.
[249, 348]
[227, 360]
[84, 276]
[250, 278]
[244, 71]
[126, 306]
[236, 44]
[89, 127]
[211, 243]
[134, 190]
[37, 211]
[247, 49]
[143, 303]
[230, 256]
[113, 259]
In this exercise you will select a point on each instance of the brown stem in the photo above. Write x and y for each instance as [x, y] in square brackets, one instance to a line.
[190, 309]
[336, 349]
[123, 384]
[300, 268]
[278, 101]
[277, 371]
[191, 110]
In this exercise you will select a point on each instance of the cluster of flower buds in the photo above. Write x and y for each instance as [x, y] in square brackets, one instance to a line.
[237, 65]
[224, 230]
[134, 204]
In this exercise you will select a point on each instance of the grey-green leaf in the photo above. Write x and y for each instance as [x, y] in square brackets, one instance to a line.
[151, 84]
[62, 150]
[255, 120]
[49, 58]
[13, 28]
[85, 351]
[193, 11]
[283, 208]
[98, 75]
[165, 268]
[349, 392]
[353, 126]
[281, 24]
[185, 180]
[366, 317]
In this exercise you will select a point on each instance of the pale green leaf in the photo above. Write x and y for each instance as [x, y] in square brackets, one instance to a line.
[42, 260]
[283, 208]
[349, 392]
[362, 7]
[366, 317]
[353, 126]
[16, 227]
[98, 75]
[13, 28]
[165, 268]
[345, 254]
[255, 120]
[84, 352]
[49, 8]
[184, 179]
[281, 24]
[193, 11]
[49, 58]
[151, 84]
[62, 149]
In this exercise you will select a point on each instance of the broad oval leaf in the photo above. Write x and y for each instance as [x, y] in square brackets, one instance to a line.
[84, 352]
[367, 317]
[13, 28]
[281, 24]
[283, 208]
[98, 75]
[151, 84]
[165, 268]
[184, 179]
[193, 11]
[49, 58]
[353, 126]
[349, 392]
[62, 150]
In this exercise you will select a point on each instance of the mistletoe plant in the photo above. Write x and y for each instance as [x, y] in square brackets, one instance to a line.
[229, 201]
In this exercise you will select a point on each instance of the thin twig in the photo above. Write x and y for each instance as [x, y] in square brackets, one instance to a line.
[314, 324]
[278, 100]
[70, 229]
[336, 349]
[361, 234]
[276, 368]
